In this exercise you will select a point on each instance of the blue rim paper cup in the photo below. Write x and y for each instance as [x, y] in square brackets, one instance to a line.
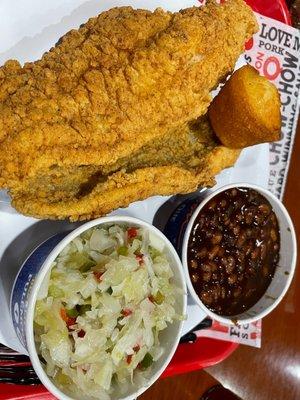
[24, 282]
[32, 281]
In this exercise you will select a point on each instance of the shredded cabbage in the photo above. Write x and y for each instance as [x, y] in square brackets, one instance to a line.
[98, 317]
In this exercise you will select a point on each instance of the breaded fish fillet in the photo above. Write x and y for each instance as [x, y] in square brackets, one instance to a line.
[73, 123]
[122, 188]
[174, 164]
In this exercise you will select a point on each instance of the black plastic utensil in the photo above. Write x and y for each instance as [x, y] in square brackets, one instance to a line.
[18, 375]
[191, 337]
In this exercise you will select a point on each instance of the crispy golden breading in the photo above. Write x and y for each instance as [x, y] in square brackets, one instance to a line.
[183, 147]
[113, 102]
[247, 110]
[122, 188]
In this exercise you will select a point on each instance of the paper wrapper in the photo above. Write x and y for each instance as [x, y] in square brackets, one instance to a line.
[275, 52]
[249, 334]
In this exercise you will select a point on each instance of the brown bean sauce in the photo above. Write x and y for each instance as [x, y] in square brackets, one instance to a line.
[233, 250]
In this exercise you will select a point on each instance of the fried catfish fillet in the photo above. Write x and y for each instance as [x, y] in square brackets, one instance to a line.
[175, 163]
[127, 83]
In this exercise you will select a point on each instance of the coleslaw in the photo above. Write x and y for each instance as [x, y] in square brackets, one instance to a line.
[101, 309]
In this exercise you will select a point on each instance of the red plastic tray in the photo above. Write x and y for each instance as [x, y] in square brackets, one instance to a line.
[205, 352]
[276, 9]
[21, 392]
[188, 357]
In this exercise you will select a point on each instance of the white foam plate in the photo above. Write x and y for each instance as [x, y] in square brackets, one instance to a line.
[29, 29]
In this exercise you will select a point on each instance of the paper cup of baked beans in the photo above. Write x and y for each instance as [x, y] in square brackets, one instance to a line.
[239, 253]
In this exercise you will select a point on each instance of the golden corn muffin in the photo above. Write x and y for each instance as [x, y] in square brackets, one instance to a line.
[246, 111]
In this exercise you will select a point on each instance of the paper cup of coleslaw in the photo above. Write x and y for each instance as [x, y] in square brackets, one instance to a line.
[70, 319]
